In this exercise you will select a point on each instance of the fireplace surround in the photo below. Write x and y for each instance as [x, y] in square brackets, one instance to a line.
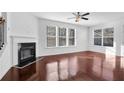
[26, 53]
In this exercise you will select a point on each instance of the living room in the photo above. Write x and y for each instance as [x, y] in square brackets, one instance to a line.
[59, 46]
[62, 46]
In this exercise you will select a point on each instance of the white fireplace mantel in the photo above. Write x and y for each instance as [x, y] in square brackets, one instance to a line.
[14, 46]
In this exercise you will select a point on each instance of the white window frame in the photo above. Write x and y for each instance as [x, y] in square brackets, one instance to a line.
[98, 37]
[51, 36]
[57, 37]
[108, 36]
[75, 40]
[102, 41]
[60, 36]
[4, 30]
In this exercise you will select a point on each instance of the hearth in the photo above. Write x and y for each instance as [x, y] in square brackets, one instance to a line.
[26, 53]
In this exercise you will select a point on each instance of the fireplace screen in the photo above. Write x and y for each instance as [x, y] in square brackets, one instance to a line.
[26, 53]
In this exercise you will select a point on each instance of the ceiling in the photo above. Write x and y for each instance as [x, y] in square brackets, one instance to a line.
[95, 18]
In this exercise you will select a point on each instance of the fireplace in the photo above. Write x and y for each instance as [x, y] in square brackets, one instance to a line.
[26, 53]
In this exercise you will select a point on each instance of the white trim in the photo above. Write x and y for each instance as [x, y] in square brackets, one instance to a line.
[62, 36]
[57, 37]
[67, 38]
[37, 60]
[75, 43]
[75, 37]
[20, 36]
[14, 46]
[60, 47]
[46, 36]
[102, 37]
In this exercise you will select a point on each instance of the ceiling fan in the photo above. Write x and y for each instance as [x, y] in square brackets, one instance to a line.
[78, 16]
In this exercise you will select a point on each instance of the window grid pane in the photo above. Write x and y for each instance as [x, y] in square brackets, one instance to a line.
[98, 33]
[71, 37]
[108, 42]
[62, 32]
[51, 41]
[98, 41]
[71, 33]
[51, 31]
[108, 32]
[62, 36]
[51, 36]
[62, 41]
[108, 35]
[71, 41]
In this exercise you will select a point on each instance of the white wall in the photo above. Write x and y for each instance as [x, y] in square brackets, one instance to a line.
[5, 60]
[24, 24]
[18, 24]
[118, 37]
[82, 40]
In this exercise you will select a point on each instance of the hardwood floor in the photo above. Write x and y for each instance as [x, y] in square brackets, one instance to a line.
[82, 66]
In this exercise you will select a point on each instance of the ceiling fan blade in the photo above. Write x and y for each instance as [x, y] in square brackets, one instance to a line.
[85, 14]
[74, 14]
[84, 18]
[72, 18]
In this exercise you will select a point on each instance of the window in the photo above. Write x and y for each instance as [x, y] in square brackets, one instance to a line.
[51, 36]
[108, 37]
[104, 37]
[1, 34]
[60, 37]
[98, 37]
[71, 37]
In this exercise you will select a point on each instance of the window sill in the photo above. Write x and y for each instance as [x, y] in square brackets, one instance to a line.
[60, 47]
[102, 46]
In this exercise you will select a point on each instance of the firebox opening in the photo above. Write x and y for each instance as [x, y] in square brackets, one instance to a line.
[26, 53]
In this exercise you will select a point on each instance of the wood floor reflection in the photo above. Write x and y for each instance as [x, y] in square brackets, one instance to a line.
[82, 66]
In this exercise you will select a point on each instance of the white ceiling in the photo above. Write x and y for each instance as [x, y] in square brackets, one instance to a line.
[95, 18]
